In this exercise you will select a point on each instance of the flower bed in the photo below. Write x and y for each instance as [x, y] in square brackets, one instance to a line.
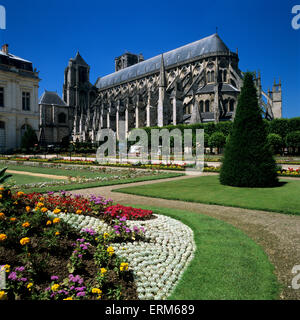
[63, 247]
[290, 172]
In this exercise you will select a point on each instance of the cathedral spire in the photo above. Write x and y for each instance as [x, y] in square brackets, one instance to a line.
[162, 81]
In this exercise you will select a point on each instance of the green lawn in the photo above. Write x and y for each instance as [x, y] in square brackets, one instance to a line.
[114, 176]
[19, 179]
[207, 189]
[228, 265]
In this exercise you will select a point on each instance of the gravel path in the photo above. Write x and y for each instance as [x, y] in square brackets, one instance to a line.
[42, 175]
[278, 234]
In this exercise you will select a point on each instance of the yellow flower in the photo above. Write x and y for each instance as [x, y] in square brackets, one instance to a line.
[25, 224]
[28, 209]
[20, 194]
[55, 287]
[42, 199]
[6, 268]
[3, 237]
[105, 235]
[103, 271]
[56, 220]
[70, 298]
[44, 210]
[1, 189]
[29, 286]
[2, 295]
[110, 250]
[49, 222]
[24, 241]
[96, 290]
[57, 233]
[79, 212]
[56, 211]
[1, 196]
[40, 204]
[124, 266]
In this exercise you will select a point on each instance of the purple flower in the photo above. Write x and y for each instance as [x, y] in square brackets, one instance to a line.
[80, 288]
[128, 230]
[80, 294]
[54, 278]
[80, 256]
[21, 269]
[12, 276]
[23, 279]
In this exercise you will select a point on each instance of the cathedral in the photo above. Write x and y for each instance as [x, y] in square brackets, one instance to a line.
[197, 83]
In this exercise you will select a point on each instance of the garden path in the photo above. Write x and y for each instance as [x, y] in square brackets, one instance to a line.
[278, 234]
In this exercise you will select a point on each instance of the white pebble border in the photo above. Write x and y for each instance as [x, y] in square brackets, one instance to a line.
[157, 264]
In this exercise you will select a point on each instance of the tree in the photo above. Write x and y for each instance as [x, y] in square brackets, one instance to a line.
[248, 161]
[293, 140]
[217, 140]
[29, 139]
[275, 143]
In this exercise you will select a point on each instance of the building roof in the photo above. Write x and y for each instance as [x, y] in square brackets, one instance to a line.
[225, 87]
[211, 44]
[79, 60]
[51, 98]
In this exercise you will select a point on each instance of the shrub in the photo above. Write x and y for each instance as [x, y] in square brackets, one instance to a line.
[217, 140]
[29, 139]
[275, 142]
[293, 140]
[248, 161]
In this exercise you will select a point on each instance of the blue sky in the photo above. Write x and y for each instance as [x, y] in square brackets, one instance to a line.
[49, 33]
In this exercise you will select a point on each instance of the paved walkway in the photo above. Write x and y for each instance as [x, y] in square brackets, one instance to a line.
[33, 174]
[278, 234]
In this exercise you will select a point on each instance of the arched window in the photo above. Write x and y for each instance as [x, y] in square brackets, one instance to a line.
[208, 77]
[62, 118]
[2, 136]
[231, 106]
[207, 106]
[224, 75]
[212, 77]
[225, 105]
[201, 106]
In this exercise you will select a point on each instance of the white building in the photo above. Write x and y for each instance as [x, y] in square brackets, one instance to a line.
[19, 108]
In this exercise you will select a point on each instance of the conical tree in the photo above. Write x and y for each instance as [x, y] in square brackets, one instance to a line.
[248, 161]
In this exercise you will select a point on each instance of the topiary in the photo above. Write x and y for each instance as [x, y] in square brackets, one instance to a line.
[248, 161]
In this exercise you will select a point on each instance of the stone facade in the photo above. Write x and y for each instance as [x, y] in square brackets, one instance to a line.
[196, 83]
[19, 85]
[56, 119]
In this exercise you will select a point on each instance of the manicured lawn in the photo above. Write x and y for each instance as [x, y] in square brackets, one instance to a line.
[207, 189]
[19, 179]
[228, 265]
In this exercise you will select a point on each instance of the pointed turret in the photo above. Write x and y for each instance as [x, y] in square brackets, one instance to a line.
[162, 81]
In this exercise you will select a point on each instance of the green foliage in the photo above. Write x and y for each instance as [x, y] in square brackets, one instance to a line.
[275, 142]
[217, 140]
[3, 176]
[293, 139]
[29, 139]
[248, 161]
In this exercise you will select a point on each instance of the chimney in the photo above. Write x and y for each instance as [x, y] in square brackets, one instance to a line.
[5, 48]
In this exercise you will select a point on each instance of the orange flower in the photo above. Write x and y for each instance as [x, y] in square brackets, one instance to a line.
[49, 222]
[3, 237]
[28, 209]
[24, 241]
[20, 194]
[2, 215]
[13, 219]
[57, 233]
[56, 220]
[44, 210]
[79, 212]
[26, 224]
[56, 211]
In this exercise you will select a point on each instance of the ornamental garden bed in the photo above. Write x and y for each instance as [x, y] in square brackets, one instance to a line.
[63, 247]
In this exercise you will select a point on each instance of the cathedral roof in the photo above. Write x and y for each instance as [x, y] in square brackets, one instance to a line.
[211, 44]
[79, 60]
[51, 98]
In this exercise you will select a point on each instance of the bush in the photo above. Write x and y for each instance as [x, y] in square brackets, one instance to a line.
[293, 140]
[248, 161]
[275, 143]
[217, 140]
[29, 139]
